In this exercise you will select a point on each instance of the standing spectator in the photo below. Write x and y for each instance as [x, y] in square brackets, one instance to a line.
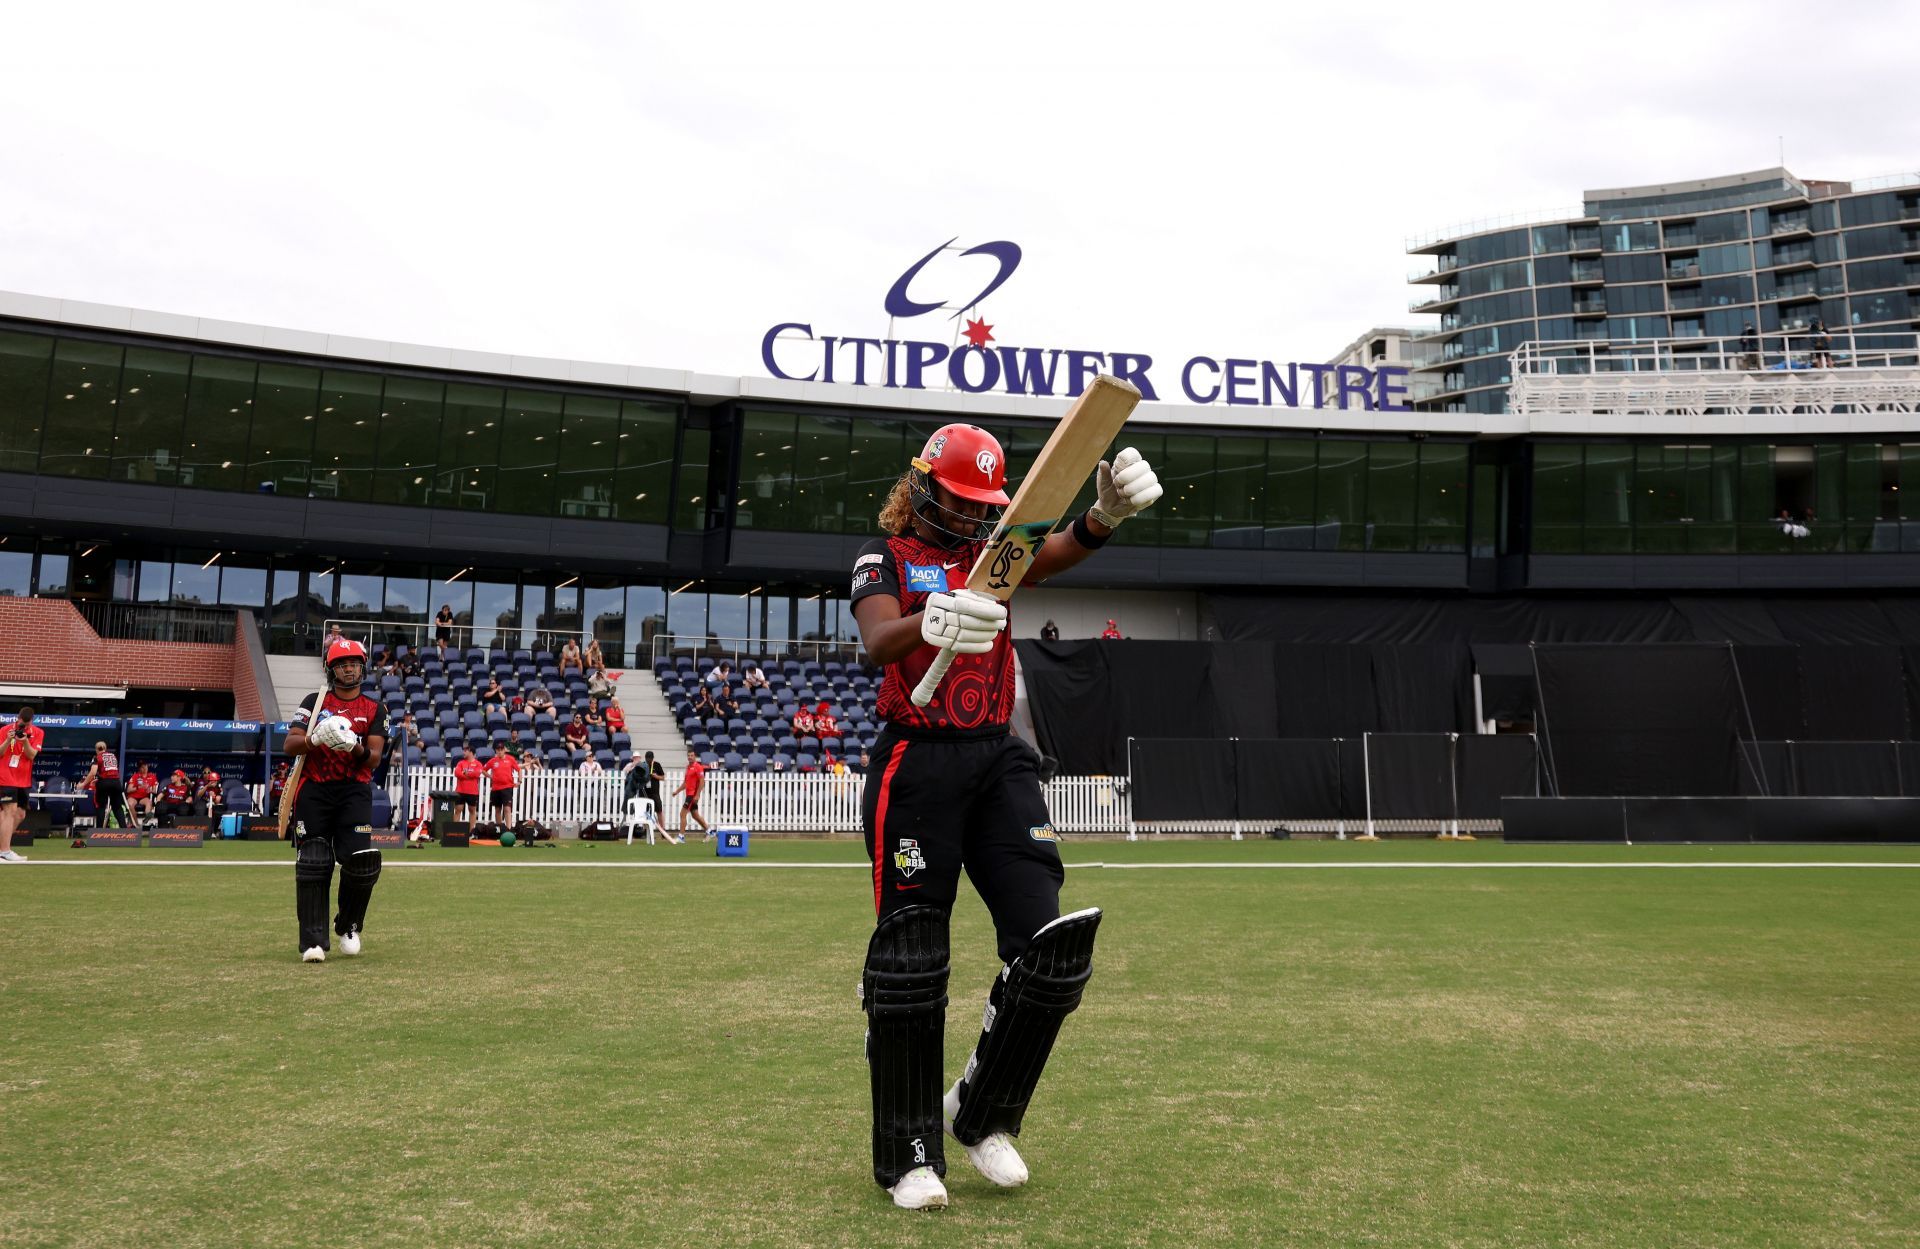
[1822, 357]
[104, 779]
[443, 628]
[1749, 348]
[754, 678]
[656, 776]
[595, 661]
[143, 785]
[503, 772]
[690, 805]
[466, 785]
[176, 798]
[1111, 633]
[18, 749]
[493, 699]
[859, 768]
[333, 634]
[1049, 632]
[570, 658]
[574, 737]
[616, 718]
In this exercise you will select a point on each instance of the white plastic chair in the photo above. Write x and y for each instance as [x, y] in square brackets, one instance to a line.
[640, 812]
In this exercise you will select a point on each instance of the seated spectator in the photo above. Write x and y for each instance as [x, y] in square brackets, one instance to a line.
[539, 702]
[382, 662]
[410, 665]
[1049, 632]
[704, 704]
[616, 718]
[574, 737]
[754, 678]
[723, 699]
[409, 731]
[593, 658]
[570, 658]
[1789, 526]
[515, 747]
[803, 722]
[596, 719]
[494, 699]
[207, 797]
[599, 684]
[860, 768]
[824, 725]
[143, 785]
[534, 762]
[176, 798]
[721, 674]
[590, 766]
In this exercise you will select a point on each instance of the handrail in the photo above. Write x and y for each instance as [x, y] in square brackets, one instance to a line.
[1791, 351]
[736, 649]
[1549, 216]
[159, 622]
[420, 635]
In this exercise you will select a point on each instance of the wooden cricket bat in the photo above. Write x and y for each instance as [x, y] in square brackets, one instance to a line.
[300, 762]
[1058, 472]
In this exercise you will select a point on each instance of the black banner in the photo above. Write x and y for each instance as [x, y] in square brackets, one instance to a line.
[1640, 720]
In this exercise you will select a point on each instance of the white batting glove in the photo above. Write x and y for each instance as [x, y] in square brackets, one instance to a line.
[334, 733]
[1124, 487]
[964, 622]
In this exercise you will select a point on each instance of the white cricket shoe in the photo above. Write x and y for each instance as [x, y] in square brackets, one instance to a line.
[350, 942]
[313, 954]
[12, 856]
[995, 1156]
[919, 1189]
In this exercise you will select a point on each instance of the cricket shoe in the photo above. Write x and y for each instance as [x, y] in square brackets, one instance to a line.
[919, 1189]
[12, 856]
[994, 1156]
[313, 954]
[350, 942]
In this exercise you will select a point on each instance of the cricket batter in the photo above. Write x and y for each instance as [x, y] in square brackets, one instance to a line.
[949, 788]
[343, 738]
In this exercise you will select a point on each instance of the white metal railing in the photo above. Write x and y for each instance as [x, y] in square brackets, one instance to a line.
[1776, 352]
[735, 650]
[419, 635]
[1550, 216]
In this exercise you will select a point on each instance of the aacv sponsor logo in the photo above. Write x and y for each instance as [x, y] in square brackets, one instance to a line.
[792, 352]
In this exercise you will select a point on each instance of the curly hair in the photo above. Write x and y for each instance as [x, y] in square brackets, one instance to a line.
[896, 514]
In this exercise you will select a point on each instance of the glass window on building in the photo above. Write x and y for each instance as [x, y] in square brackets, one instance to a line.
[50, 580]
[196, 577]
[407, 593]
[26, 363]
[409, 441]
[1659, 498]
[727, 613]
[687, 616]
[1558, 497]
[1291, 513]
[875, 459]
[646, 619]
[243, 580]
[496, 613]
[16, 568]
[346, 435]
[1186, 510]
[452, 588]
[562, 619]
[152, 410]
[534, 617]
[1240, 472]
[529, 452]
[692, 506]
[766, 470]
[604, 617]
[155, 580]
[469, 447]
[280, 452]
[643, 480]
[1442, 501]
[80, 410]
[362, 593]
[1549, 239]
[219, 423]
[589, 454]
[1340, 492]
[1630, 236]
[1392, 516]
[1608, 516]
[820, 473]
[1720, 228]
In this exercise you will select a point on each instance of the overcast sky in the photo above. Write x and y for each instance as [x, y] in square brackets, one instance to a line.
[658, 184]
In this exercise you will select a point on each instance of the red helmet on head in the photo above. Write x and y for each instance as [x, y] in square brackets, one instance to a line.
[968, 461]
[345, 648]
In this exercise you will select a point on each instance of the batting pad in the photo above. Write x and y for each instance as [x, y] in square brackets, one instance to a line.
[1033, 996]
[904, 992]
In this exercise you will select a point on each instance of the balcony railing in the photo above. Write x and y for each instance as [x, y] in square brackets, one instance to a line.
[158, 622]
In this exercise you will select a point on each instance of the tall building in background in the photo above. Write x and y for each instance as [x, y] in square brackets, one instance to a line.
[1691, 262]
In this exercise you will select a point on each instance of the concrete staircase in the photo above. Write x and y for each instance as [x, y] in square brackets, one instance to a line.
[650, 721]
[294, 677]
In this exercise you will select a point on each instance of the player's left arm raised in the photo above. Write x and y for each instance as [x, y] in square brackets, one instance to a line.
[1123, 488]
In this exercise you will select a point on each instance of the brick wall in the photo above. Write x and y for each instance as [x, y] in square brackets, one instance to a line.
[48, 642]
[246, 690]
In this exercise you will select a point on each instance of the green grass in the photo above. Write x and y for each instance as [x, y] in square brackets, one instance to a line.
[1327, 1057]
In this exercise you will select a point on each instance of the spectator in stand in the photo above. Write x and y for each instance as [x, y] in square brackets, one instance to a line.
[596, 718]
[721, 675]
[1111, 633]
[690, 805]
[443, 628]
[176, 798]
[533, 761]
[503, 772]
[574, 737]
[860, 768]
[1822, 355]
[590, 766]
[802, 722]
[599, 684]
[143, 785]
[1049, 632]
[383, 662]
[539, 702]
[410, 665]
[1749, 349]
[103, 779]
[616, 718]
[409, 732]
[208, 795]
[703, 704]
[824, 725]
[570, 658]
[333, 635]
[754, 678]
[493, 699]
[594, 660]
[514, 746]
[723, 699]
[466, 785]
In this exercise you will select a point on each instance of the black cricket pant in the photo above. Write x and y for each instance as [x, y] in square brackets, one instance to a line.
[933, 809]
[109, 796]
[336, 816]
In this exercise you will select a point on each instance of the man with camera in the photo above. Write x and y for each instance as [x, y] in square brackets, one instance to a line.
[17, 751]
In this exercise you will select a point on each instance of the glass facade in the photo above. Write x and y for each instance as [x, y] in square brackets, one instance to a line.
[1690, 265]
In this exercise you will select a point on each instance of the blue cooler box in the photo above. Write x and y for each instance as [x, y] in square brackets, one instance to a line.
[730, 843]
[232, 826]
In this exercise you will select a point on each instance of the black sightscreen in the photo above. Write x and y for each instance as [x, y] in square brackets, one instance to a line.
[1653, 720]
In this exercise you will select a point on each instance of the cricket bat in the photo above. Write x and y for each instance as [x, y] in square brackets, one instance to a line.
[1058, 472]
[300, 762]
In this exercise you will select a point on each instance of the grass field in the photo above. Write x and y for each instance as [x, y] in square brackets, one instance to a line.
[1435, 1056]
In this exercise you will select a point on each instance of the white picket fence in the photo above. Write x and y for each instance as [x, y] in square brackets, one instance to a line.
[785, 803]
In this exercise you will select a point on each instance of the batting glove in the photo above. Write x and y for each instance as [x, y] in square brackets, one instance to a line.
[334, 733]
[964, 621]
[1124, 487]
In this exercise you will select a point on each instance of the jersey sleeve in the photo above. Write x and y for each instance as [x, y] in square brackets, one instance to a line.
[303, 714]
[377, 722]
[874, 572]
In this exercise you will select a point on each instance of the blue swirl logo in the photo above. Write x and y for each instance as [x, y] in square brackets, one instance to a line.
[901, 304]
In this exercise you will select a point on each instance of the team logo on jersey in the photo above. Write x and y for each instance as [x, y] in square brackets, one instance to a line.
[926, 578]
[872, 558]
[938, 445]
[984, 462]
[907, 859]
[864, 578]
[1044, 832]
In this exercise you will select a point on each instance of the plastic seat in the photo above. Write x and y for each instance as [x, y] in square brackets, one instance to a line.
[471, 720]
[520, 720]
[559, 760]
[435, 757]
[700, 741]
[732, 761]
[389, 684]
[549, 738]
[607, 759]
[756, 762]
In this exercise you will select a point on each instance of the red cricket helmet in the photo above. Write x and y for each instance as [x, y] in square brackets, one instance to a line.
[345, 648]
[968, 461]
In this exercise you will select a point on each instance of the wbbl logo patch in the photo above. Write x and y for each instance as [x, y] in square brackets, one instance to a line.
[1044, 832]
[926, 578]
[907, 859]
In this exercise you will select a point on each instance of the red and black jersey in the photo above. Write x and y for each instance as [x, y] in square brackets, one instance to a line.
[327, 766]
[109, 765]
[976, 699]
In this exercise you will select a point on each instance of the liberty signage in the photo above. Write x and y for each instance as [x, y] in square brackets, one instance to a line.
[792, 352]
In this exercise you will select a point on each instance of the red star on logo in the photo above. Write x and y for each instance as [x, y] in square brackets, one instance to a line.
[979, 333]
